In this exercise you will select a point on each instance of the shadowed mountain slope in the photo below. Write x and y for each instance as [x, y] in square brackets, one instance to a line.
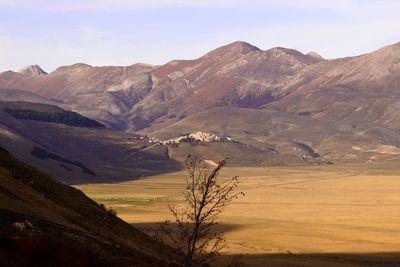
[47, 113]
[75, 149]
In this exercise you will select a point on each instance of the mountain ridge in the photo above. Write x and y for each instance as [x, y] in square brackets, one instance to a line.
[357, 96]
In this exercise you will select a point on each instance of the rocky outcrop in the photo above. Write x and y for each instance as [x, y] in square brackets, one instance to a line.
[32, 71]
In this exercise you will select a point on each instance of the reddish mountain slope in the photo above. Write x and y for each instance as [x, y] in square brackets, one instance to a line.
[327, 104]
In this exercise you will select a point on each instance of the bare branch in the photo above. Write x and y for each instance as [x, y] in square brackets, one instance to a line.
[194, 235]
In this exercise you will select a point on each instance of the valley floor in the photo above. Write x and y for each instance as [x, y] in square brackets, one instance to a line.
[331, 215]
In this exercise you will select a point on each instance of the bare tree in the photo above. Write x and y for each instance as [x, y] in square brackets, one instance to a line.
[193, 233]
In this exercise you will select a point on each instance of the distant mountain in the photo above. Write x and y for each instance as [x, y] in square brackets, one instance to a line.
[237, 75]
[103, 93]
[32, 71]
[46, 223]
[343, 109]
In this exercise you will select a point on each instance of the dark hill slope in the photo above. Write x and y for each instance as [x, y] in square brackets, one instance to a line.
[47, 113]
[39, 215]
[79, 154]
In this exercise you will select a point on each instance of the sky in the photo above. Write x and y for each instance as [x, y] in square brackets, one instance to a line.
[53, 33]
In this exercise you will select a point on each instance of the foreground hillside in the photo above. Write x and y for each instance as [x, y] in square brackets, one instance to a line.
[46, 223]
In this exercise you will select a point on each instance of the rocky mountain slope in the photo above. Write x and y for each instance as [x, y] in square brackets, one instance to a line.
[104, 93]
[46, 223]
[343, 109]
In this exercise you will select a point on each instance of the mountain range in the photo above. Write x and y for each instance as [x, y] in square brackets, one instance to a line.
[285, 106]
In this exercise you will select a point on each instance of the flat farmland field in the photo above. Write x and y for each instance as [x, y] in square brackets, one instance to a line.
[347, 215]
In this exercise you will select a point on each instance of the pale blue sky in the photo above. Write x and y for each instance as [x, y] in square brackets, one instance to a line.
[52, 33]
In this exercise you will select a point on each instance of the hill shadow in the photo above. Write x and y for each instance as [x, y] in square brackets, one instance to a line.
[289, 259]
[77, 173]
[389, 259]
[151, 227]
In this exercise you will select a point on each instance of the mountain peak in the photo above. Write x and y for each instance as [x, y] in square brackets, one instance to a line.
[315, 55]
[32, 71]
[76, 66]
[242, 47]
[234, 48]
[284, 52]
[293, 54]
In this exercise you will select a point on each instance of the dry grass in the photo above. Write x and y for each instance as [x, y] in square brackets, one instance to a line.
[319, 209]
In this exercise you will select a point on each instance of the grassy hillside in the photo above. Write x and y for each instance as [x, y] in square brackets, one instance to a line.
[80, 154]
[51, 224]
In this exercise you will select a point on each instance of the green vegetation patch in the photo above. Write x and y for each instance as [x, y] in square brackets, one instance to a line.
[63, 117]
[129, 201]
[43, 154]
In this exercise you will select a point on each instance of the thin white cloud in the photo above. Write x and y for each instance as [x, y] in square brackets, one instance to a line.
[339, 5]
[90, 33]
